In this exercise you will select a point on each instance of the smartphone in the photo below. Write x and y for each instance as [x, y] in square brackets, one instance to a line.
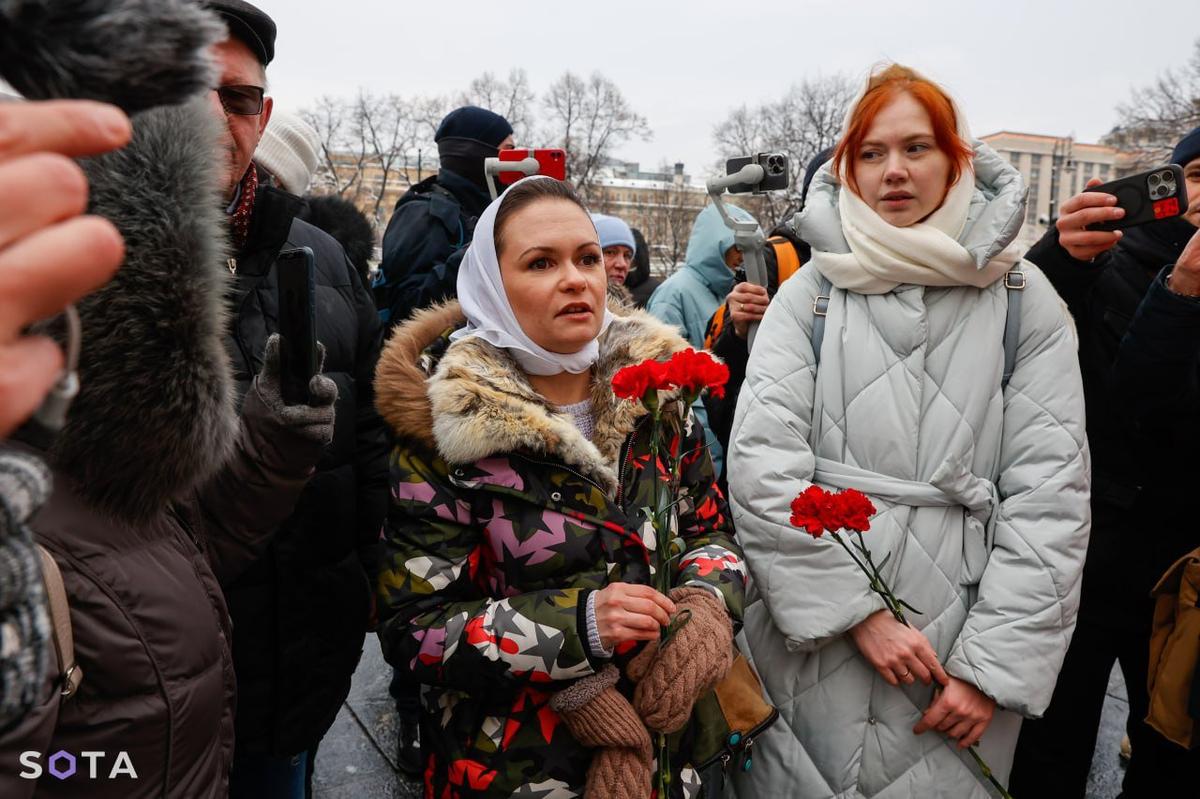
[775, 172]
[551, 162]
[295, 272]
[1149, 196]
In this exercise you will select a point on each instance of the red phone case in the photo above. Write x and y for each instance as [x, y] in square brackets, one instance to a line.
[551, 162]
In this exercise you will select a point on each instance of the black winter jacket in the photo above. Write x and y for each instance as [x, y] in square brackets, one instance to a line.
[423, 244]
[301, 612]
[1137, 510]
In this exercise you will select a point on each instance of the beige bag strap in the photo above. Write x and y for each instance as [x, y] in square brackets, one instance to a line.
[60, 619]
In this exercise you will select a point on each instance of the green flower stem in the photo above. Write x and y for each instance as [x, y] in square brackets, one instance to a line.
[987, 772]
[875, 580]
[662, 573]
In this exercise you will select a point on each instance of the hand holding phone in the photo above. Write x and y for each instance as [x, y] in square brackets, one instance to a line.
[295, 272]
[1159, 193]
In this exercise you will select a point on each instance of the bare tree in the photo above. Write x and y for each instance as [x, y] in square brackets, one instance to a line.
[393, 129]
[511, 98]
[589, 119]
[1156, 116]
[803, 122]
[343, 154]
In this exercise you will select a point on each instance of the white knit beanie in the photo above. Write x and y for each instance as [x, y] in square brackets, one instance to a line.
[289, 150]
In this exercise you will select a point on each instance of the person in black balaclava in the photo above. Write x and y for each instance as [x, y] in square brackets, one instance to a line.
[435, 219]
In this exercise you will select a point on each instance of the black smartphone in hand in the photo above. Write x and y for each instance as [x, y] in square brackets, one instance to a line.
[295, 272]
[1149, 196]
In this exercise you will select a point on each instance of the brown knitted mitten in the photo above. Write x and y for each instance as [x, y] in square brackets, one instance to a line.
[699, 655]
[600, 717]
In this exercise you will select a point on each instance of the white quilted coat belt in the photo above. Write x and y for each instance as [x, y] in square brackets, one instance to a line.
[951, 485]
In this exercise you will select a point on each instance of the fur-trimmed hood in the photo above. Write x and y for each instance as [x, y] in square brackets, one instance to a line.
[155, 417]
[478, 402]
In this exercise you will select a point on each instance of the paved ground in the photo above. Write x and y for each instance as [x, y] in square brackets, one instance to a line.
[356, 758]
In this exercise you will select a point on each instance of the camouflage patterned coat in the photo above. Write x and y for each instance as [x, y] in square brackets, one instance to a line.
[504, 519]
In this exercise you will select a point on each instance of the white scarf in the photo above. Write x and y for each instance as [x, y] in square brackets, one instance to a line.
[490, 315]
[928, 253]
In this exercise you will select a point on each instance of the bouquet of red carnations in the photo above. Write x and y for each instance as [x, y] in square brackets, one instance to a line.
[690, 374]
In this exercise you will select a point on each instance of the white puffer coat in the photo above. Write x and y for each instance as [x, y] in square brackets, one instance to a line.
[983, 505]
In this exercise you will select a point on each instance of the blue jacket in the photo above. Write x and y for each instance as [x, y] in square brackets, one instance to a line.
[690, 297]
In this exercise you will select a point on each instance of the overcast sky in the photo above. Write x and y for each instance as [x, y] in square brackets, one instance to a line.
[1034, 66]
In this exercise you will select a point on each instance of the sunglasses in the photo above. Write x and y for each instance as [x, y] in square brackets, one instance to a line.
[241, 100]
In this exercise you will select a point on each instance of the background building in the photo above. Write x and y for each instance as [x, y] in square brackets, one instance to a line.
[1055, 169]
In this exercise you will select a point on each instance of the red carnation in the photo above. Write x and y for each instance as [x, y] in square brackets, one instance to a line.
[851, 510]
[693, 371]
[633, 382]
[807, 508]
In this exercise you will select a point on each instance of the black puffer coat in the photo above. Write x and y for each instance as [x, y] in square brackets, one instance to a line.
[302, 611]
[424, 243]
[1140, 524]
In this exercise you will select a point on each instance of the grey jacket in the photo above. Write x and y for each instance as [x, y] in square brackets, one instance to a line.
[983, 505]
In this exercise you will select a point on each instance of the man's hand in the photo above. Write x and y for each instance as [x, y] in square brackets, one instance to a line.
[1185, 277]
[960, 711]
[50, 256]
[901, 654]
[1088, 208]
[747, 303]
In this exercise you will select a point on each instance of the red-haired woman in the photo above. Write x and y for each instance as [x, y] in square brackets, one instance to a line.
[918, 359]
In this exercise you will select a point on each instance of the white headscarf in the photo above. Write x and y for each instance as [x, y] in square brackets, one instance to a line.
[489, 313]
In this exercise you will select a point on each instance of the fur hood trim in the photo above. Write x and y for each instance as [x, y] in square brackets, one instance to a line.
[479, 403]
[155, 417]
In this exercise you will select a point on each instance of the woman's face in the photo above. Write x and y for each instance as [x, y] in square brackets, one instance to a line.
[553, 273]
[900, 170]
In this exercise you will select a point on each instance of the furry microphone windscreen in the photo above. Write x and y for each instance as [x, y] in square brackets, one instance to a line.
[135, 54]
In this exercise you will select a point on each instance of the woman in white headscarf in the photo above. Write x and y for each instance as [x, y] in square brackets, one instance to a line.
[918, 359]
[516, 573]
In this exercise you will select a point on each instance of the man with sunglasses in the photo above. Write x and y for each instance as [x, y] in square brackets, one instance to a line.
[301, 612]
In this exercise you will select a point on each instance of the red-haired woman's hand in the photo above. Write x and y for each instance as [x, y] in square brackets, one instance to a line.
[901, 654]
[961, 711]
[1088, 208]
[631, 612]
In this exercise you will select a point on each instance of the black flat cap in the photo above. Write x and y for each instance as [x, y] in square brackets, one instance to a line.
[248, 25]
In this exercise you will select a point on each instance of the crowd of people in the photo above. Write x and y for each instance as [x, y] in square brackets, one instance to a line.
[191, 563]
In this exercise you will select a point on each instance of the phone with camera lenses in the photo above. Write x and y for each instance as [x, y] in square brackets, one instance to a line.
[775, 172]
[1159, 193]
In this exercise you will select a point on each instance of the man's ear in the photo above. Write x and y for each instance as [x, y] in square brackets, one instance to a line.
[265, 116]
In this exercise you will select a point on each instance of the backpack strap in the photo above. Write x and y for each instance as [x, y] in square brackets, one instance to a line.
[60, 619]
[820, 310]
[1014, 284]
